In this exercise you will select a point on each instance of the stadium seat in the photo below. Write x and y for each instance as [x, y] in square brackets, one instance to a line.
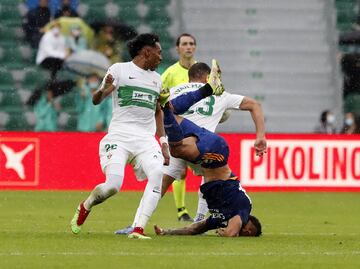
[68, 101]
[346, 14]
[95, 14]
[17, 121]
[9, 12]
[7, 33]
[158, 18]
[6, 79]
[71, 123]
[4, 117]
[34, 78]
[352, 103]
[30, 118]
[129, 15]
[10, 98]
[13, 59]
[157, 3]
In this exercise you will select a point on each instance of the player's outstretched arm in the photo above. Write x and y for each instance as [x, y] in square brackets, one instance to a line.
[104, 90]
[257, 115]
[193, 229]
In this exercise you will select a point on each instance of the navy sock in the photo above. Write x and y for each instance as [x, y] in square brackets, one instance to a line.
[183, 102]
[172, 128]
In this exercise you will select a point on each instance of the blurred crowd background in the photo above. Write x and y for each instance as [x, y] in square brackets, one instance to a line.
[301, 60]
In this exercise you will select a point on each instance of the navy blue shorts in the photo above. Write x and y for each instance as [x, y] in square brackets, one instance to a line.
[225, 199]
[214, 151]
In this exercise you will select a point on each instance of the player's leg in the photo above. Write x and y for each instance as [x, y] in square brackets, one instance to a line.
[151, 163]
[113, 159]
[179, 191]
[169, 173]
[202, 206]
[113, 183]
[176, 169]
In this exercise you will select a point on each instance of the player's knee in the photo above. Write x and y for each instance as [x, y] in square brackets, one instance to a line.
[113, 183]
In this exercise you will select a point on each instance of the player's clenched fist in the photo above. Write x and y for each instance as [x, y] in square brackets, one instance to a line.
[260, 146]
[109, 80]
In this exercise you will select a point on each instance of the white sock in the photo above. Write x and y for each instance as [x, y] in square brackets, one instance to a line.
[138, 211]
[151, 197]
[202, 209]
[105, 190]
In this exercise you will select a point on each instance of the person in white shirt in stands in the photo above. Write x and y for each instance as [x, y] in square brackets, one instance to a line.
[52, 50]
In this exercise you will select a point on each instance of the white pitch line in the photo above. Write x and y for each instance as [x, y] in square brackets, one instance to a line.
[112, 232]
[224, 254]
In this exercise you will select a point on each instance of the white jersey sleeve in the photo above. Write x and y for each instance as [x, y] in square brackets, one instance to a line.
[115, 72]
[233, 101]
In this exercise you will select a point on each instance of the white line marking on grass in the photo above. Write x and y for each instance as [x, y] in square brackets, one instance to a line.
[310, 234]
[224, 254]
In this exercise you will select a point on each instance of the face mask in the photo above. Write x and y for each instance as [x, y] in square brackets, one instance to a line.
[330, 119]
[76, 33]
[349, 121]
[56, 31]
[93, 85]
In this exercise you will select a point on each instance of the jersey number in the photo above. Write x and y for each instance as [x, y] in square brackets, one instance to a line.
[207, 109]
[110, 147]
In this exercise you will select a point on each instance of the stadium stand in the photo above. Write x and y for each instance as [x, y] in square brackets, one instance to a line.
[19, 76]
[280, 52]
[347, 17]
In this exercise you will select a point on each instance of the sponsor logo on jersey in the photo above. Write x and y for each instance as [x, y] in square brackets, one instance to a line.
[140, 96]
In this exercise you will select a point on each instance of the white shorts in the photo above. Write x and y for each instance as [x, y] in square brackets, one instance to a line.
[142, 154]
[177, 166]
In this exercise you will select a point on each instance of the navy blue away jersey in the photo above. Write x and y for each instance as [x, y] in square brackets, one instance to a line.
[225, 199]
[214, 151]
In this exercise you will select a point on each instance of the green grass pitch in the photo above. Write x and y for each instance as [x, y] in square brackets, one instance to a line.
[300, 230]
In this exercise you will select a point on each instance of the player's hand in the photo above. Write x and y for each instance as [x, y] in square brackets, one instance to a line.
[166, 154]
[260, 146]
[158, 230]
[108, 80]
[220, 231]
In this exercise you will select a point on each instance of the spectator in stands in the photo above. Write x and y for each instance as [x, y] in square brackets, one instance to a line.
[106, 43]
[52, 50]
[46, 113]
[76, 42]
[350, 64]
[91, 118]
[66, 10]
[327, 123]
[351, 124]
[36, 19]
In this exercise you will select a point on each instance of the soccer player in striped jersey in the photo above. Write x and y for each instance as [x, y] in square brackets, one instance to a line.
[135, 89]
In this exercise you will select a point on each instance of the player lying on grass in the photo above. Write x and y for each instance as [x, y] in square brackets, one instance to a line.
[228, 203]
[206, 113]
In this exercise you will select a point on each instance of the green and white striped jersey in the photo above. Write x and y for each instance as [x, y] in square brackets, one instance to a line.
[134, 100]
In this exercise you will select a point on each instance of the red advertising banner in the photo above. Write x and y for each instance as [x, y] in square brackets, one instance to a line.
[303, 162]
[70, 161]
